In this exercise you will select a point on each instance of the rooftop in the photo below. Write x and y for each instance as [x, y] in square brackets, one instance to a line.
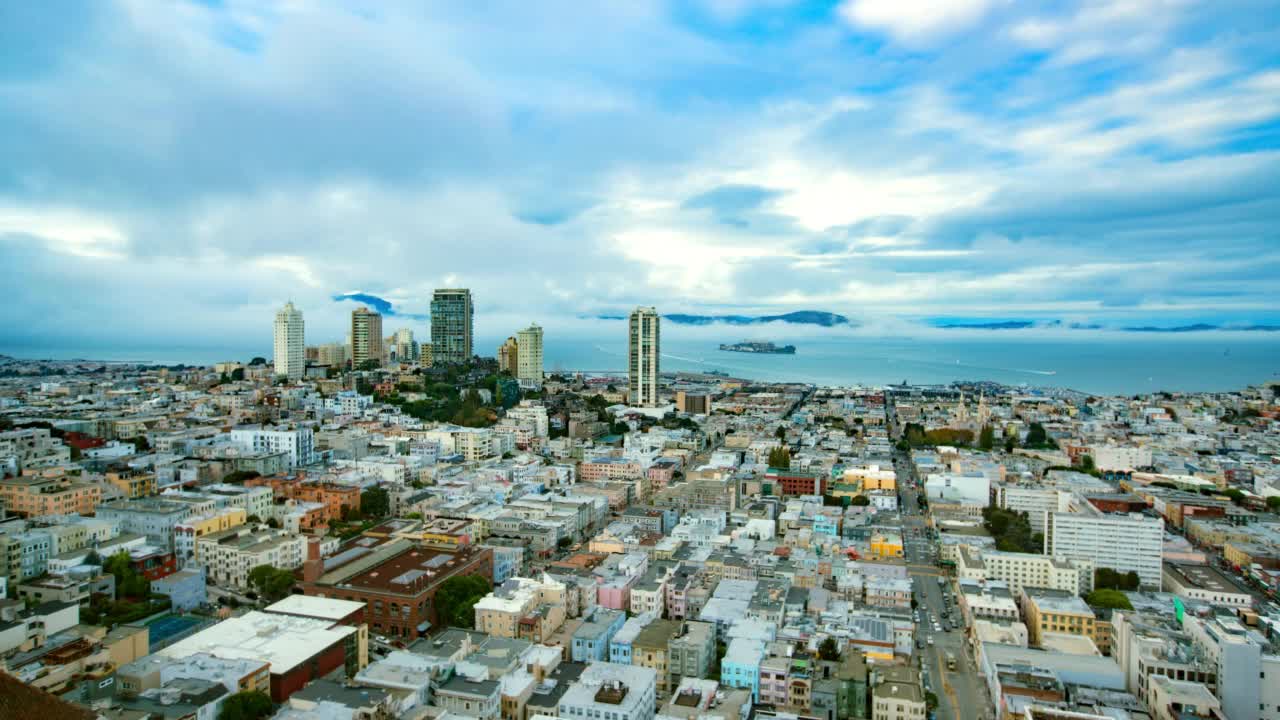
[282, 640]
[315, 607]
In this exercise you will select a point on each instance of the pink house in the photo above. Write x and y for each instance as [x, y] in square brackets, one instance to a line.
[615, 592]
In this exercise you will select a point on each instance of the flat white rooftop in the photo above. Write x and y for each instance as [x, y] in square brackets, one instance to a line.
[315, 607]
[285, 641]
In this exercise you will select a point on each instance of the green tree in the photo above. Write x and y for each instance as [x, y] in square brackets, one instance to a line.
[1010, 442]
[1113, 599]
[1087, 464]
[1036, 435]
[129, 582]
[781, 433]
[987, 438]
[257, 361]
[375, 502]
[860, 500]
[246, 705]
[780, 458]
[237, 477]
[455, 600]
[1273, 502]
[237, 375]
[828, 649]
[271, 582]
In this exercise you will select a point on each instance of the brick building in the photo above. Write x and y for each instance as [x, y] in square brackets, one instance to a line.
[397, 580]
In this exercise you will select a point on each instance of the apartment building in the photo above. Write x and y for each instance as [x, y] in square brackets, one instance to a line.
[607, 691]
[229, 555]
[33, 496]
[1056, 611]
[1020, 570]
[1123, 542]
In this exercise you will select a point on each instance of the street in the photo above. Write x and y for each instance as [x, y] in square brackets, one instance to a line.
[960, 692]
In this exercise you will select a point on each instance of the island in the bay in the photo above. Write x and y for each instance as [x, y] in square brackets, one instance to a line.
[760, 347]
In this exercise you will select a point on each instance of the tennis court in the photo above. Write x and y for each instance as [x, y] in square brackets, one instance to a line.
[165, 627]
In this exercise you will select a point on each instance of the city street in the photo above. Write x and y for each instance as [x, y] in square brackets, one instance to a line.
[960, 692]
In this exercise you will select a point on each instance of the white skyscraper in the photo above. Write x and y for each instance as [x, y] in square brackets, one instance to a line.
[642, 357]
[290, 345]
[529, 355]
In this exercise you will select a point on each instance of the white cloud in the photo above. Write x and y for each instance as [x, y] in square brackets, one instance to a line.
[916, 21]
[67, 231]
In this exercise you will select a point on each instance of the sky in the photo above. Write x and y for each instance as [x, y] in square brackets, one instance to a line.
[173, 172]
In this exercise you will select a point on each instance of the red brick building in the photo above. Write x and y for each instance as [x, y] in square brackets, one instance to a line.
[789, 482]
[396, 580]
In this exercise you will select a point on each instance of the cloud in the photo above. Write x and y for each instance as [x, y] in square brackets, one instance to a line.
[191, 166]
[383, 307]
[915, 21]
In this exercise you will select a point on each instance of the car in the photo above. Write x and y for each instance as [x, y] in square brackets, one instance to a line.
[930, 642]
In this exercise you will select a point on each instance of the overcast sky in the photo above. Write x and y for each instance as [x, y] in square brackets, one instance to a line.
[177, 170]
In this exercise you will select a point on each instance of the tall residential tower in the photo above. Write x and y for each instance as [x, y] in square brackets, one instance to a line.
[290, 346]
[529, 355]
[366, 337]
[451, 318]
[642, 357]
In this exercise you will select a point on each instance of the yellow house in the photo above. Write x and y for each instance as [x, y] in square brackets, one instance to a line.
[1057, 611]
[886, 545]
[871, 478]
[132, 483]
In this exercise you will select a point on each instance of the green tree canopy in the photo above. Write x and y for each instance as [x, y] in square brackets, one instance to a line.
[237, 477]
[455, 600]
[129, 582]
[780, 458]
[828, 649]
[1108, 579]
[1113, 599]
[375, 502]
[861, 500]
[987, 438]
[271, 582]
[246, 705]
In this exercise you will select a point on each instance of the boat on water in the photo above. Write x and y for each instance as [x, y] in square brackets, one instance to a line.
[766, 348]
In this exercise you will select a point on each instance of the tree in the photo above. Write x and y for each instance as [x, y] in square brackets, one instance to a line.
[237, 375]
[129, 582]
[1036, 435]
[257, 361]
[860, 500]
[1010, 442]
[271, 582]
[987, 438]
[780, 458]
[1273, 502]
[375, 502]
[273, 523]
[1087, 464]
[246, 705]
[237, 477]
[1113, 599]
[781, 433]
[455, 600]
[1108, 579]
[828, 649]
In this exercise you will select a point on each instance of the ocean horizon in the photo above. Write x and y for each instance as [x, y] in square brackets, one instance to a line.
[1124, 364]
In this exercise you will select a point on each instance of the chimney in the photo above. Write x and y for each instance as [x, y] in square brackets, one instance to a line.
[313, 566]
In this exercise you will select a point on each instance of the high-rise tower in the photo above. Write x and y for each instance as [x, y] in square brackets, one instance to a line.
[290, 344]
[529, 356]
[451, 318]
[642, 357]
[366, 337]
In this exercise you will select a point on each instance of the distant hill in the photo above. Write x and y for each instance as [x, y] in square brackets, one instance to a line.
[1003, 325]
[800, 317]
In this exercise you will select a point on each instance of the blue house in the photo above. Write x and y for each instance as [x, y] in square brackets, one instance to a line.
[620, 646]
[591, 641]
[740, 667]
[185, 588]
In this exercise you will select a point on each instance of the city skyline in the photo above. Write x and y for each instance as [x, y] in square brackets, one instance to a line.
[1087, 162]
